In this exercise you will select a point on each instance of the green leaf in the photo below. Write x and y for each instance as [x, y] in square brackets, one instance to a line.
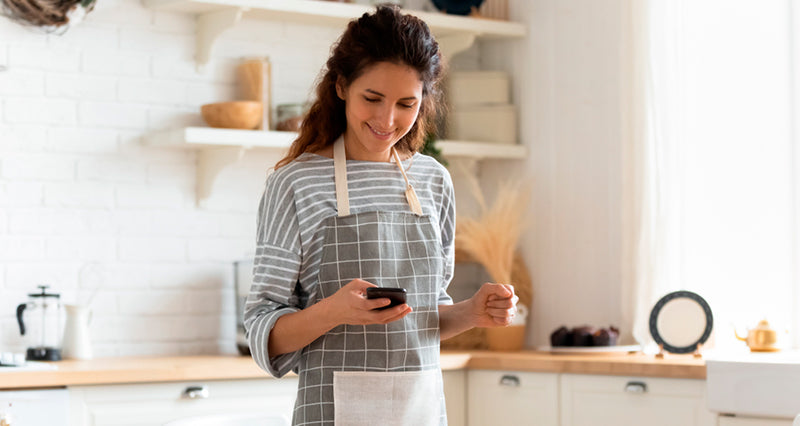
[429, 148]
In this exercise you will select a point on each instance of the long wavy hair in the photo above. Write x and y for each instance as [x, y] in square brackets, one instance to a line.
[387, 35]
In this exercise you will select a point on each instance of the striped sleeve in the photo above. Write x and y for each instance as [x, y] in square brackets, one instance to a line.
[276, 269]
[447, 220]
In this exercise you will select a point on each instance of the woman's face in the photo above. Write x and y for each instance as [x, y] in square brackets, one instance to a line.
[381, 106]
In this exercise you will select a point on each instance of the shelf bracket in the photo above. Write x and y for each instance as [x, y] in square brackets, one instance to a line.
[453, 44]
[210, 162]
[210, 26]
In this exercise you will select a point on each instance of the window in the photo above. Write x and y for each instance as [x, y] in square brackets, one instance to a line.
[721, 161]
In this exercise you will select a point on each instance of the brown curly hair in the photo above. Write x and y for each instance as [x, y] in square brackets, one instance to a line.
[387, 35]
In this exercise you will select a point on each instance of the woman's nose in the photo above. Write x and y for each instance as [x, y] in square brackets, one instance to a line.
[386, 118]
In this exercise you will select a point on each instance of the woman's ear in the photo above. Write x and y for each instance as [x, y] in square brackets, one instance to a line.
[340, 88]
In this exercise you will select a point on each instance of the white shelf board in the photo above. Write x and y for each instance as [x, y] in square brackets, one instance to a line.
[214, 17]
[338, 14]
[208, 137]
[482, 150]
[221, 148]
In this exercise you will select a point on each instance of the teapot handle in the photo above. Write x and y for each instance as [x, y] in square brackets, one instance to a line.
[743, 339]
[20, 309]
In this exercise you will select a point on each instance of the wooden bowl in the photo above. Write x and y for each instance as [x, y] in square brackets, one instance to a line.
[233, 115]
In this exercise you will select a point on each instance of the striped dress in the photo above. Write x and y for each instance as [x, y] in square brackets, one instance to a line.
[297, 199]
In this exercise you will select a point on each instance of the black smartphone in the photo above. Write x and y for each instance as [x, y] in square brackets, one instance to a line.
[396, 295]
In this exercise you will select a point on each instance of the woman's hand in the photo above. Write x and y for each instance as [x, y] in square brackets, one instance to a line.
[494, 305]
[349, 305]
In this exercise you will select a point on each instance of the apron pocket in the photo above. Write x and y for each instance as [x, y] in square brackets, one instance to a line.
[387, 398]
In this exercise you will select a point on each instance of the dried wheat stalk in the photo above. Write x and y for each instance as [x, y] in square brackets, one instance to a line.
[491, 238]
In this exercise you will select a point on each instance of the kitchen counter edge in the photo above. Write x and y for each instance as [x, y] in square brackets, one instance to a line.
[105, 371]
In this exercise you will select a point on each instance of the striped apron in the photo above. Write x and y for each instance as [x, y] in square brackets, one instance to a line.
[376, 374]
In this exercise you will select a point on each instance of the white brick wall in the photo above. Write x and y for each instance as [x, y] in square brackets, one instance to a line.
[90, 210]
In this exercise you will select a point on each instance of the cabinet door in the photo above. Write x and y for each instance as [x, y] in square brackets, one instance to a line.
[159, 403]
[512, 398]
[455, 395]
[590, 400]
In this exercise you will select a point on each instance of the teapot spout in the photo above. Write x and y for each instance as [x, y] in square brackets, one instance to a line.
[743, 339]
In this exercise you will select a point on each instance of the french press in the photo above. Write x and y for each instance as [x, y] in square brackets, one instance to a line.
[42, 328]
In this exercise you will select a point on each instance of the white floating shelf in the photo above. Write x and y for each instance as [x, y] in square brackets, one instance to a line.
[454, 33]
[481, 150]
[210, 137]
[220, 148]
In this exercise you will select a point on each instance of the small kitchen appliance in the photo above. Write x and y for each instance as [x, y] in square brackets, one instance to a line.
[42, 327]
[243, 280]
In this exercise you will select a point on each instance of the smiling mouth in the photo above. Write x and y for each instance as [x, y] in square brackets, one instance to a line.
[379, 133]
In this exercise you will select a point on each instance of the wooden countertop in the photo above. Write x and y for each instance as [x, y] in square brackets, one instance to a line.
[105, 371]
[635, 364]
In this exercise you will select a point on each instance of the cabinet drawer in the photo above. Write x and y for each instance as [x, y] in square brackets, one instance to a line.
[512, 398]
[611, 400]
[158, 403]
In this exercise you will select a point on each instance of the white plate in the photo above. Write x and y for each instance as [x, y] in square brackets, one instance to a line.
[590, 349]
[680, 321]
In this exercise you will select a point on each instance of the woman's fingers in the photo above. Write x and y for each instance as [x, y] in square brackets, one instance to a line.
[501, 303]
[371, 304]
[501, 313]
[394, 313]
[360, 285]
[502, 320]
[499, 291]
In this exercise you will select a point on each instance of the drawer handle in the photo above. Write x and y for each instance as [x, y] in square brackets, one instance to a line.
[636, 387]
[509, 380]
[195, 392]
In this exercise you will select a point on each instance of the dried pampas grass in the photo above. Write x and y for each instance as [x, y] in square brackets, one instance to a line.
[491, 238]
[477, 338]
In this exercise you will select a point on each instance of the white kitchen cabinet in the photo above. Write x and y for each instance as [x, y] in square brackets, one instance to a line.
[752, 421]
[594, 400]
[512, 398]
[159, 403]
[455, 395]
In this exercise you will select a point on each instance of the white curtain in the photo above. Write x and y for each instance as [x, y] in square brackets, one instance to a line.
[714, 162]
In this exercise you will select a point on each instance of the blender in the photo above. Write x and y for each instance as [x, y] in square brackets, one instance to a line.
[42, 326]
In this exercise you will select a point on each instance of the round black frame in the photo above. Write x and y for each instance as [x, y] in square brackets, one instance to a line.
[657, 310]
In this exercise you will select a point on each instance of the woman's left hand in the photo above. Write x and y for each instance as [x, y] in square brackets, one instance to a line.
[494, 305]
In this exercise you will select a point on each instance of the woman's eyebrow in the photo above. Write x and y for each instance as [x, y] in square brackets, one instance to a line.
[409, 98]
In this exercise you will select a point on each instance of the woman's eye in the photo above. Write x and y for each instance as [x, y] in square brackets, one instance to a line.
[372, 100]
[407, 106]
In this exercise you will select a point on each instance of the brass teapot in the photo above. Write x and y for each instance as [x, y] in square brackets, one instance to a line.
[762, 338]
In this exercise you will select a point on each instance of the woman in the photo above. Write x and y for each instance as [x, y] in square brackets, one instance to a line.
[340, 215]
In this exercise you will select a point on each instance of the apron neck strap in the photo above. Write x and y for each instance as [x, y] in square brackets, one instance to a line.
[340, 179]
[411, 195]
